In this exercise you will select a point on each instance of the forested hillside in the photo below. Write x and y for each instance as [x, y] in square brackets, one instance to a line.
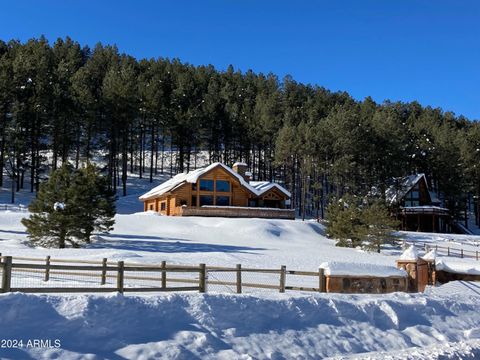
[71, 102]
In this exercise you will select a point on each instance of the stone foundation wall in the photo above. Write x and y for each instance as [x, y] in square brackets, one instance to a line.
[365, 285]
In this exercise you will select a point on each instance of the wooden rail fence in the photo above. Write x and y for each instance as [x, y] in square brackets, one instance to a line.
[446, 250]
[120, 276]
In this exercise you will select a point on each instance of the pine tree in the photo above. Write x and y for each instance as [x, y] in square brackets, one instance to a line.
[378, 225]
[344, 221]
[51, 223]
[94, 203]
[357, 221]
[69, 207]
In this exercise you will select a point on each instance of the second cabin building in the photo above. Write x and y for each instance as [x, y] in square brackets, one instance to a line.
[218, 190]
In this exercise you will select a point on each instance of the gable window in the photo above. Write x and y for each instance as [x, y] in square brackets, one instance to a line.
[206, 200]
[222, 201]
[413, 197]
[206, 185]
[222, 186]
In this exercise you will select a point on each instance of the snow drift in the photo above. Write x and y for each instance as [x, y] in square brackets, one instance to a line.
[189, 326]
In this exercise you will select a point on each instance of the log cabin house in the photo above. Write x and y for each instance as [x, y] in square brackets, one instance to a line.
[218, 190]
[417, 208]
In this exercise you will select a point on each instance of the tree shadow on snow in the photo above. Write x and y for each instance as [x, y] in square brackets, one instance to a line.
[13, 232]
[167, 245]
[320, 230]
[139, 237]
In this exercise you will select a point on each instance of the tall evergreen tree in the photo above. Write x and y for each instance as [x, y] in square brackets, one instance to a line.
[69, 207]
[93, 201]
[53, 214]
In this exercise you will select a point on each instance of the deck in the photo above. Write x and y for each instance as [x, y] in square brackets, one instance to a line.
[235, 211]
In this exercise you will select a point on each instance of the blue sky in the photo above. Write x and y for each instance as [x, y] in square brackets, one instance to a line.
[405, 50]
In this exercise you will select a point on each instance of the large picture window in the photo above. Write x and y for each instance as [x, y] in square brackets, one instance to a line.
[412, 198]
[223, 186]
[206, 200]
[223, 201]
[206, 185]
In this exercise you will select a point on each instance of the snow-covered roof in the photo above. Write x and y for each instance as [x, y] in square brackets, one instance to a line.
[337, 268]
[401, 187]
[193, 176]
[264, 186]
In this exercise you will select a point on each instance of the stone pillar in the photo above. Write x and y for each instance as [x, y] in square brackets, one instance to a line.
[410, 266]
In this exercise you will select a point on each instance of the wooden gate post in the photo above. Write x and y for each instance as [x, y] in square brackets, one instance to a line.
[104, 271]
[164, 275]
[120, 275]
[283, 275]
[202, 278]
[47, 268]
[7, 274]
[321, 280]
[239, 278]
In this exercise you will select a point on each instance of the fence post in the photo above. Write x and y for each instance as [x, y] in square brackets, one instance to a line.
[239, 278]
[448, 250]
[104, 271]
[202, 278]
[321, 280]
[7, 274]
[47, 268]
[476, 254]
[164, 275]
[120, 273]
[461, 253]
[283, 274]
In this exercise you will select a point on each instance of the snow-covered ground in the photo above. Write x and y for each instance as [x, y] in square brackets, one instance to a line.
[442, 323]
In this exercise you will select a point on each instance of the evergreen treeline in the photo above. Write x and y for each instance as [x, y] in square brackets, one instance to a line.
[72, 102]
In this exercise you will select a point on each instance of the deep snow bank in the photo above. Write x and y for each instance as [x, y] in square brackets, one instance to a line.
[189, 326]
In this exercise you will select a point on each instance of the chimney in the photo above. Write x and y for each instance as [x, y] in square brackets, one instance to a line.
[241, 168]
